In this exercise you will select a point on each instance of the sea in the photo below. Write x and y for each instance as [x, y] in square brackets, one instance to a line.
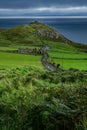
[74, 29]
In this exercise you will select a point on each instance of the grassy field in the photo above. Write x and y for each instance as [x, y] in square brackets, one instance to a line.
[65, 55]
[10, 60]
[71, 55]
[66, 64]
[68, 57]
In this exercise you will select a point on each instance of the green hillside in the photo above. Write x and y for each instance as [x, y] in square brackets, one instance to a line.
[37, 35]
[34, 33]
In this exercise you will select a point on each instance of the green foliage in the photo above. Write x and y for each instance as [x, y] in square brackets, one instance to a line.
[33, 99]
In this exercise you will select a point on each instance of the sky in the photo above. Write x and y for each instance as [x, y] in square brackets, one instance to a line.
[25, 8]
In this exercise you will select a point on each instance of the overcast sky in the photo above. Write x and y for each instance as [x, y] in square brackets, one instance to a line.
[43, 7]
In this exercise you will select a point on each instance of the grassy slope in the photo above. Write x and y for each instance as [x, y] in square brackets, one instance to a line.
[30, 33]
[20, 34]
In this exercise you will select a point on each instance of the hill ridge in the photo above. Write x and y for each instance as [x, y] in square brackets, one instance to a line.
[35, 28]
[35, 33]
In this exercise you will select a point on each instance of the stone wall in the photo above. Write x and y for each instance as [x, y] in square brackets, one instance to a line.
[31, 51]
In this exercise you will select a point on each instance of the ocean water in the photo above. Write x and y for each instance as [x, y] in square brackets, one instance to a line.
[74, 29]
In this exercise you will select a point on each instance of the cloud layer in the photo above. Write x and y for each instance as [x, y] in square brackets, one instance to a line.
[77, 10]
[38, 3]
[43, 7]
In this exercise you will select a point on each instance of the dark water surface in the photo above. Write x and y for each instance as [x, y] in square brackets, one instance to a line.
[73, 28]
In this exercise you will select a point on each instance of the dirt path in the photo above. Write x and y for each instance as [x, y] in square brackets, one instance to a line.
[47, 65]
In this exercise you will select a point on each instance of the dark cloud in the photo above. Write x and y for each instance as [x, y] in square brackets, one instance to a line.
[43, 7]
[37, 3]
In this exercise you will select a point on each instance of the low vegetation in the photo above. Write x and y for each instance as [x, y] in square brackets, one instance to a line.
[33, 99]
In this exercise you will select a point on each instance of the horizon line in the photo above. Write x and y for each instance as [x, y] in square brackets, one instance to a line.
[9, 17]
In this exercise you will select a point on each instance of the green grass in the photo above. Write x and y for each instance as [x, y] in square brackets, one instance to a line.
[69, 58]
[66, 64]
[71, 55]
[61, 46]
[9, 60]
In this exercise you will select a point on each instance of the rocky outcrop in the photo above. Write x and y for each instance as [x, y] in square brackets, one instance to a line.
[48, 32]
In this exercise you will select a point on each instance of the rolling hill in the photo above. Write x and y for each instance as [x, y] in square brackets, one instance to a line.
[36, 35]
[30, 33]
